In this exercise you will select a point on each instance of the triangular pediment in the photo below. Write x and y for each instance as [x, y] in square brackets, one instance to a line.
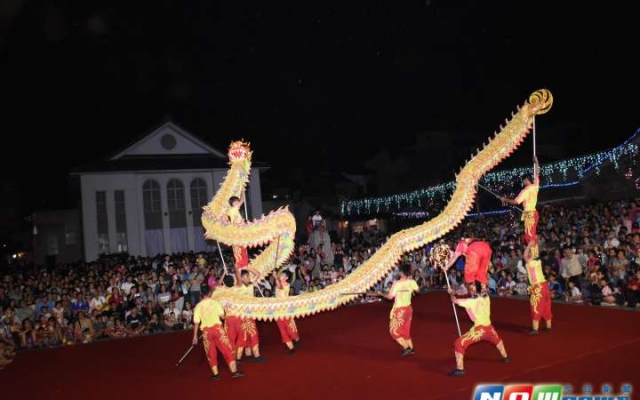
[169, 139]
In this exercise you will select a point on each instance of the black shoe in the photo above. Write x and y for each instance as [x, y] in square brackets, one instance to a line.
[237, 374]
[506, 360]
[297, 343]
[532, 332]
[547, 330]
[215, 377]
[291, 351]
[457, 372]
[259, 360]
[406, 352]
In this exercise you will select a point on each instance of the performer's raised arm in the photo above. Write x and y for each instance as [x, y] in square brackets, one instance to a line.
[257, 276]
[278, 283]
[454, 257]
[464, 303]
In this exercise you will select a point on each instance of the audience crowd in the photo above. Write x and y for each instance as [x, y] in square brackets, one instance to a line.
[590, 254]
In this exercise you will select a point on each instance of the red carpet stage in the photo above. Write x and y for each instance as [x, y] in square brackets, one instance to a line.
[346, 354]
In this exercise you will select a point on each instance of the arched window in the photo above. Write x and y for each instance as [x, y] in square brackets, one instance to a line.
[175, 195]
[198, 193]
[151, 196]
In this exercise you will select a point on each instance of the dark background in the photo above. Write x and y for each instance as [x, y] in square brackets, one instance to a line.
[314, 86]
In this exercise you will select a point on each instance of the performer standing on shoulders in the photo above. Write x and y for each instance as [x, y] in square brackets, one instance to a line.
[402, 312]
[249, 327]
[528, 197]
[240, 253]
[479, 310]
[207, 317]
[477, 259]
[287, 327]
[539, 295]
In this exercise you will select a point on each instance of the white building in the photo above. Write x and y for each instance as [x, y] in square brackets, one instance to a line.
[148, 198]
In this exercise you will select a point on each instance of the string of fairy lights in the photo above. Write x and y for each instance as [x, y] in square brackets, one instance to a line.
[562, 173]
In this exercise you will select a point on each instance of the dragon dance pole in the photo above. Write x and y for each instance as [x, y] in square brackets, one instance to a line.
[455, 313]
[275, 262]
[224, 265]
[534, 140]
[496, 196]
[244, 202]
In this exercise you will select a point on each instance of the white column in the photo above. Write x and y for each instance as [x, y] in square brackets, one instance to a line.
[218, 178]
[165, 214]
[89, 218]
[140, 217]
[111, 221]
[189, 211]
[133, 212]
[255, 193]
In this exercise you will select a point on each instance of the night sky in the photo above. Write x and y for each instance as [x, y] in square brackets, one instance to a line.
[310, 84]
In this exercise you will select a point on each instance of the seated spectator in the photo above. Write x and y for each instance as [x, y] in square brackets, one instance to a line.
[135, 324]
[99, 302]
[116, 300]
[7, 354]
[83, 328]
[503, 284]
[554, 288]
[493, 285]
[117, 330]
[100, 323]
[521, 286]
[154, 325]
[610, 297]
[187, 315]
[573, 294]
[27, 335]
[171, 322]
[633, 291]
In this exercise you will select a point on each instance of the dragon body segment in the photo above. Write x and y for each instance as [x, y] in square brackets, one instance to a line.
[277, 229]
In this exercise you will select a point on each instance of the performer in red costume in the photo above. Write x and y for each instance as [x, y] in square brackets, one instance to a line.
[288, 329]
[539, 295]
[402, 313]
[233, 323]
[479, 310]
[239, 252]
[208, 316]
[249, 327]
[477, 255]
[528, 197]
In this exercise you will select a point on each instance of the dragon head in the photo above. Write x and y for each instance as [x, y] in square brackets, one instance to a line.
[239, 151]
[540, 102]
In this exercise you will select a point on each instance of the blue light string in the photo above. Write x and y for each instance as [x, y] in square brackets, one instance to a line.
[596, 160]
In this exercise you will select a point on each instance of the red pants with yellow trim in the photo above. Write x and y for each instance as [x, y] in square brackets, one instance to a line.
[233, 325]
[530, 219]
[540, 301]
[288, 330]
[400, 323]
[215, 337]
[241, 256]
[250, 332]
[474, 335]
[477, 259]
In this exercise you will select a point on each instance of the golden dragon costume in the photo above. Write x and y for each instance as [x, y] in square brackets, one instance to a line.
[277, 229]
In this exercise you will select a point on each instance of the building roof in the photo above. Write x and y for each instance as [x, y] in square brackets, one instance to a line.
[166, 147]
[159, 163]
